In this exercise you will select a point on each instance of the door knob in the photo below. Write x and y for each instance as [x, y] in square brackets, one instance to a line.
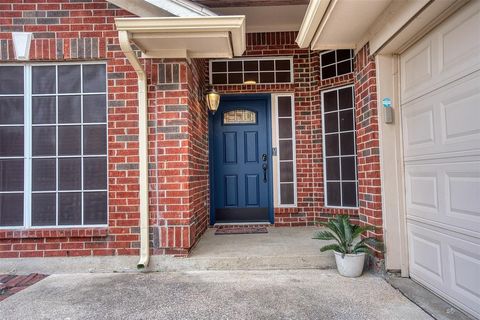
[264, 157]
[264, 167]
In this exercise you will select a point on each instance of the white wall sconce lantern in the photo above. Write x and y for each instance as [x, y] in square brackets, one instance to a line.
[21, 44]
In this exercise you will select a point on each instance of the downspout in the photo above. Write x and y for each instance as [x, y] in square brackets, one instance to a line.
[124, 40]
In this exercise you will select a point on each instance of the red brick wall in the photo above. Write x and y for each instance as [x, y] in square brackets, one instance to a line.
[178, 132]
[308, 122]
[198, 143]
[368, 148]
[172, 215]
[79, 31]
[181, 148]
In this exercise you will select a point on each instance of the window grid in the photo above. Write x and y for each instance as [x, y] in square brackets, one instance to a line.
[290, 139]
[28, 144]
[335, 64]
[258, 72]
[340, 156]
[9, 158]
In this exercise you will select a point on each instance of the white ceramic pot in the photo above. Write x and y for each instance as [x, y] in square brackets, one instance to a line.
[351, 265]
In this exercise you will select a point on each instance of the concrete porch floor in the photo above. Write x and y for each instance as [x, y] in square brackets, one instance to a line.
[280, 248]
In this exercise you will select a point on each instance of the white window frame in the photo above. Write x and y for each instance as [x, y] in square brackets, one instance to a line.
[276, 146]
[28, 125]
[274, 58]
[336, 64]
[324, 156]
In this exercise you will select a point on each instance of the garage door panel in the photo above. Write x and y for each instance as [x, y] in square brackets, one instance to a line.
[461, 113]
[443, 122]
[419, 128]
[422, 191]
[445, 193]
[465, 270]
[447, 263]
[463, 194]
[459, 46]
[426, 256]
[443, 56]
[417, 67]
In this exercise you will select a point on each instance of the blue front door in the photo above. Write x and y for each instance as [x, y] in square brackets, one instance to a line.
[241, 160]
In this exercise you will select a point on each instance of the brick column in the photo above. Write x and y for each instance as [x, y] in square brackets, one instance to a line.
[181, 157]
[370, 199]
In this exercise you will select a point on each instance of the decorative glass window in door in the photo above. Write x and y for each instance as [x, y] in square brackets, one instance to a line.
[239, 116]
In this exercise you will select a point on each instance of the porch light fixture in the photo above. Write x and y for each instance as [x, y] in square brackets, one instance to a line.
[213, 99]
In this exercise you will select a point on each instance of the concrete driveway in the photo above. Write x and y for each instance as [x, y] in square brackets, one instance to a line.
[278, 294]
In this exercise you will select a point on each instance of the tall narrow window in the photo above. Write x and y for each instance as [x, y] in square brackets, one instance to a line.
[286, 161]
[65, 152]
[339, 148]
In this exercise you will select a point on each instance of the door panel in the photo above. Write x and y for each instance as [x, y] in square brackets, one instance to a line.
[241, 161]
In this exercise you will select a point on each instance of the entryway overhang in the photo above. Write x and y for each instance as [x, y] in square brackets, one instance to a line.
[385, 24]
[186, 37]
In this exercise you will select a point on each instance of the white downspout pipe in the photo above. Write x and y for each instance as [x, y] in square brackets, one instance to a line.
[124, 40]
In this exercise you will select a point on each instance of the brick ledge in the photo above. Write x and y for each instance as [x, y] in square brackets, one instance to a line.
[54, 233]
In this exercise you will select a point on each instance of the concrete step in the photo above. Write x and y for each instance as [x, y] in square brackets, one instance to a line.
[320, 261]
[164, 264]
[279, 249]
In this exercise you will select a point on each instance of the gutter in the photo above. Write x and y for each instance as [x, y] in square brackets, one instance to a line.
[182, 8]
[314, 15]
[163, 8]
[127, 49]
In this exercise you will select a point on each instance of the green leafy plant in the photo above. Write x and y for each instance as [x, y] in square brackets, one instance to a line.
[345, 234]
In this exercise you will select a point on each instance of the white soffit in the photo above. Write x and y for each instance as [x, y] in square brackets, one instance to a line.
[345, 23]
[388, 25]
[268, 18]
[187, 37]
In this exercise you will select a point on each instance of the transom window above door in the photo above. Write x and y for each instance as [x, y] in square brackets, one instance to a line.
[53, 145]
[252, 71]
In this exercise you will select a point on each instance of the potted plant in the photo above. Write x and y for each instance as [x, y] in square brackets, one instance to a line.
[349, 252]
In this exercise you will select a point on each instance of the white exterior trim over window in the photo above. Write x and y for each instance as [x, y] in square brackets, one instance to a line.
[276, 118]
[29, 158]
[340, 156]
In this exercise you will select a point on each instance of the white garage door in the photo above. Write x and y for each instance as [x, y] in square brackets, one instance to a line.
[440, 94]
